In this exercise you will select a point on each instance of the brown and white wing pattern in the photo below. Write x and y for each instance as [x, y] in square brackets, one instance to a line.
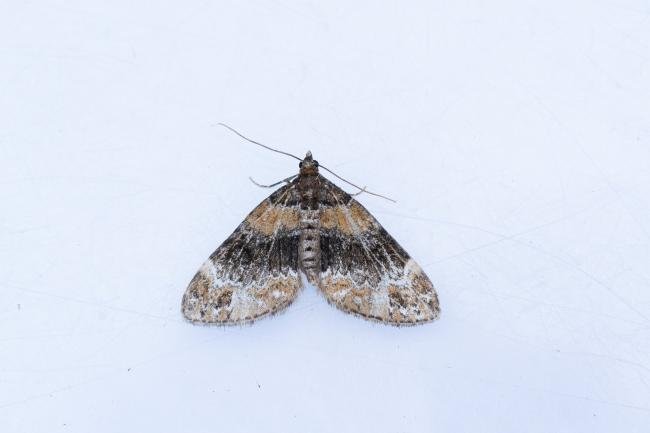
[364, 271]
[254, 273]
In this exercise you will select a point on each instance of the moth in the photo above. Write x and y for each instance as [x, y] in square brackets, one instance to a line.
[310, 230]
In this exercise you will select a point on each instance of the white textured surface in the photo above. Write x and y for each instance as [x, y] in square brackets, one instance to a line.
[515, 135]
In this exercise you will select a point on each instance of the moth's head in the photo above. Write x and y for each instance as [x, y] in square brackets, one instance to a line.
[308, 166]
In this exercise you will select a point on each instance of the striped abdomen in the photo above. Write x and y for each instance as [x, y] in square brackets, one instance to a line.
[309, 243]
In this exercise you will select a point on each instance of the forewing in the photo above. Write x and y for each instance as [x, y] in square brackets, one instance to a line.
[364, 271]
[254, 273]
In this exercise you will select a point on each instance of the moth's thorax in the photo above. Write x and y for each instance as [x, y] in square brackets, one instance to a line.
[309, 244]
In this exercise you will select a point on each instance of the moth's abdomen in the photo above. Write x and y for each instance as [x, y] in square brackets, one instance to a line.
[309, 244]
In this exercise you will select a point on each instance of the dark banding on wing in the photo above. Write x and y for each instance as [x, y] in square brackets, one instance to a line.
[254, 272]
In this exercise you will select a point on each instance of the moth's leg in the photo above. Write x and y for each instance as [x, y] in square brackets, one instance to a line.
[287, 180]
[360, 192]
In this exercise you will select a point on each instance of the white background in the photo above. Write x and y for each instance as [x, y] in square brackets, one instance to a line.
[515, 136]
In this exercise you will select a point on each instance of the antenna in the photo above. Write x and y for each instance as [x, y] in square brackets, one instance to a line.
[356, 186]
[255, 142]
[361, 190]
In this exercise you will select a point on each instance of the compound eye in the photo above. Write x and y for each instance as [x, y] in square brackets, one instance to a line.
[300, 165]
[316, 163]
